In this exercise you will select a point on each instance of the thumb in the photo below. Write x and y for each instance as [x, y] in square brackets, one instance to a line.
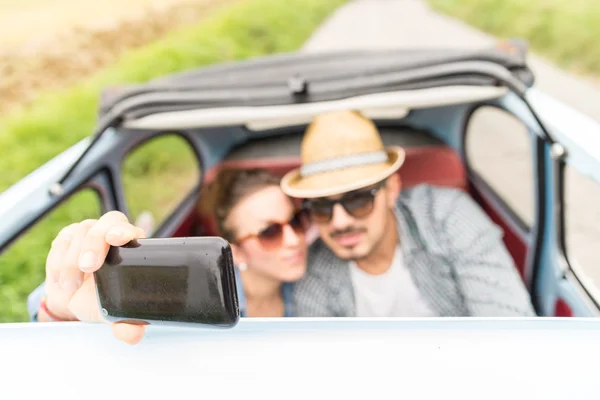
[130, 334]
[84, 303]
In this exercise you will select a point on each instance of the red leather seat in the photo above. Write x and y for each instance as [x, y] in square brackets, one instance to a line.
[436, 165]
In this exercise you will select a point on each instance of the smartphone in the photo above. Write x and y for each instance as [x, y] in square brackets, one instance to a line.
[173, 281]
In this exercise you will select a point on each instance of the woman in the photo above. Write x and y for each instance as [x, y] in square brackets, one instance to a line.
[266, 232]
[267, 236]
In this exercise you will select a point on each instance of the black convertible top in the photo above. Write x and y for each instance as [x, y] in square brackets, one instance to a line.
[306, 77]
[297, 78]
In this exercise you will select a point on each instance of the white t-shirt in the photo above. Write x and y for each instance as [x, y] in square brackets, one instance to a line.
[391, 294]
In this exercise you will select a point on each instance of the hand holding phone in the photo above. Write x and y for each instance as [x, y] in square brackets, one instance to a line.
[78, 252]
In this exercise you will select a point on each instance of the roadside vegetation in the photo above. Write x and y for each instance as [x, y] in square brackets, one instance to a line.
[564, 31]
[60, 118]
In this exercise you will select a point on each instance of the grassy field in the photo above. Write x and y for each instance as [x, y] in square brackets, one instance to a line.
[59, 119]
[564, 31]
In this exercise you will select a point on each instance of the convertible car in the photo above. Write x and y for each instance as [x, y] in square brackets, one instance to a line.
[468, 119]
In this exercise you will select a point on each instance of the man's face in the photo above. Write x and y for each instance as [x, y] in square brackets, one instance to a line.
[354, 223]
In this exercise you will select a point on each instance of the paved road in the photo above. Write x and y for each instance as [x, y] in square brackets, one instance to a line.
[412, 23]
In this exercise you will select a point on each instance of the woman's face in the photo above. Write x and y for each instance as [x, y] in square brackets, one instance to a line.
[271, 242]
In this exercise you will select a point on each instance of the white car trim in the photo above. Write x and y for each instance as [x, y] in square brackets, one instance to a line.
[379, 105]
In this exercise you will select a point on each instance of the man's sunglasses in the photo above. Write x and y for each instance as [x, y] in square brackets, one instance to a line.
[358, 204]
[271, 237]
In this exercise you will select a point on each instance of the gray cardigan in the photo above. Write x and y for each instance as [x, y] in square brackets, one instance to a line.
[454, 252]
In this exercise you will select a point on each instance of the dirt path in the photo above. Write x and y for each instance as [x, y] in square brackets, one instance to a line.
[30, 22]
[51, 43]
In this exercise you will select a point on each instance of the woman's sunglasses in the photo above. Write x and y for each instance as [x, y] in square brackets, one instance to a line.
[271, 237]
[358, 204]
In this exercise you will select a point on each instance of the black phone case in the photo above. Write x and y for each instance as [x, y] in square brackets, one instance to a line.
[174, 281]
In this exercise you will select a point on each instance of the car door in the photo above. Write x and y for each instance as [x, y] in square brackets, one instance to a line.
[152, 177]
[569, 274]
[522, 180]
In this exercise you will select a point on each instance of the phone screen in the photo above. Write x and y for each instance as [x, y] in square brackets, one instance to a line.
[187, 280]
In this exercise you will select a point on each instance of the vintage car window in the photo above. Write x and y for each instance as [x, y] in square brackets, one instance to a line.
[499, 150]
[22, 264]
[157, 176]
[581, 196]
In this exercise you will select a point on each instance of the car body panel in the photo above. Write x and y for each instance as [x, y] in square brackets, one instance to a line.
[467, 359]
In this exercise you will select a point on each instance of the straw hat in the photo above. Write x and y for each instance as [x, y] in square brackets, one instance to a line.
[341, 151]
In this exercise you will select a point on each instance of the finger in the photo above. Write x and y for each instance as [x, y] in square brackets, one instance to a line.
[131, 334]
[58, 253]
[95, 247]
[71, 277]
[123, 233]
[84, 304]
[57, 299]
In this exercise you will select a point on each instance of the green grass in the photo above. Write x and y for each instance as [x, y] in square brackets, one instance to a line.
[564, 31]
[58, 120]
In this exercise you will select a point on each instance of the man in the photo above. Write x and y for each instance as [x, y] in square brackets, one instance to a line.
[383, 252]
